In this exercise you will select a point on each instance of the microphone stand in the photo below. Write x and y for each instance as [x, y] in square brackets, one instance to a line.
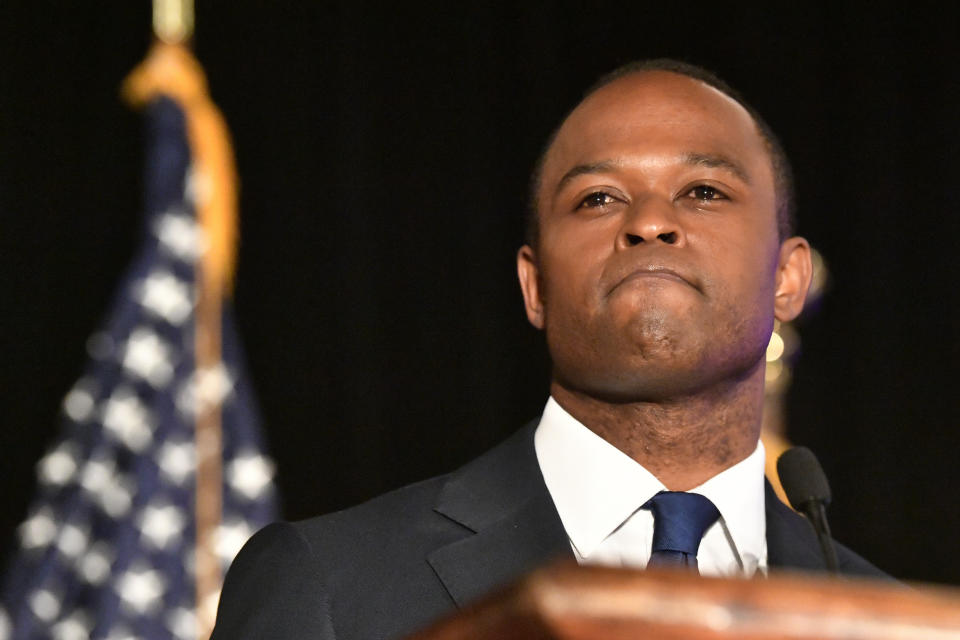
[816, 511]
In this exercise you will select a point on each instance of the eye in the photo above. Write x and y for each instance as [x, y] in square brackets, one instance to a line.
[706, 192]
[595, 200]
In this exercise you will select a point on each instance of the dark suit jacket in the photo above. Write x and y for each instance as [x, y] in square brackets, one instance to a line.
[390, 566]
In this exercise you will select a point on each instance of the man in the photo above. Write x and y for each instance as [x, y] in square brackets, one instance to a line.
[659, 256]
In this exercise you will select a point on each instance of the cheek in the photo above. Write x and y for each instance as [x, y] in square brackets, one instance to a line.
[742, 258]
[568, 294]
[750, 299]
[571, 271]
[741, 285]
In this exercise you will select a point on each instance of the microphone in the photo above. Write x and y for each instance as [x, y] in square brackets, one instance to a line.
[807, 490]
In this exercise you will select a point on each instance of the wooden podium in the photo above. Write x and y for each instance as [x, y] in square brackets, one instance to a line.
[592, 603]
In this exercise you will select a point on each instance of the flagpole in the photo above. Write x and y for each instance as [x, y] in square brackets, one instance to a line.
[209, 470]
[173, 22]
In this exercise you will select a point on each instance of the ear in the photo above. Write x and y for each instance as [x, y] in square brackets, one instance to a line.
[529, 275]
[794, 272]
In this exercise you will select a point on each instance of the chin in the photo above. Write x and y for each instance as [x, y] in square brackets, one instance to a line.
[660, 331]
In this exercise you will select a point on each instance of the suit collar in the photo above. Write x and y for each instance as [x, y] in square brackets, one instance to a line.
[502, 499]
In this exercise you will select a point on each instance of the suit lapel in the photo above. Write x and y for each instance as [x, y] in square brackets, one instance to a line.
[791, 541]
[502, 499]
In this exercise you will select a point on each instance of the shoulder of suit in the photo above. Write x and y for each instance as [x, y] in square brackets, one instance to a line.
[410, 509]
[853, 564]
[385, 513]
[274, 574]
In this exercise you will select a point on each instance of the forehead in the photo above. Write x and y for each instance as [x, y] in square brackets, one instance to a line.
[656, 113]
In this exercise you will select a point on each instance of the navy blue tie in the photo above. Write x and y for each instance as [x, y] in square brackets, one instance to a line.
[679, 522]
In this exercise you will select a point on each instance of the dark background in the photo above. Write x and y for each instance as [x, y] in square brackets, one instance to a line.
[384, 153]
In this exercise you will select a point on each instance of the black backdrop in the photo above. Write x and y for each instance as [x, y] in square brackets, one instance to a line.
[384, 154]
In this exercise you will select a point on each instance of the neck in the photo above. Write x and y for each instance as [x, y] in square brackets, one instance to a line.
[683, 441]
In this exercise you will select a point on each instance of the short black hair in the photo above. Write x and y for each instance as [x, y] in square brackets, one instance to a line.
[782, 171]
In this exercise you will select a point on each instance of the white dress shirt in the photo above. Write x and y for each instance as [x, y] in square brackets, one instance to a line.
[598, 491]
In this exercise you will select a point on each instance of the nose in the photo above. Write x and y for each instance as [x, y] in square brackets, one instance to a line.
[650, 221]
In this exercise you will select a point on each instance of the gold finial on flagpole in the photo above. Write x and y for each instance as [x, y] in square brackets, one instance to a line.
[173, 20]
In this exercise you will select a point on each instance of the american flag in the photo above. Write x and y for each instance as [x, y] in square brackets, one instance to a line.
[108, 547]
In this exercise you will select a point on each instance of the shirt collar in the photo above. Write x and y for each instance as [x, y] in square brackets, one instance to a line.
[596, 487]
[738, 493]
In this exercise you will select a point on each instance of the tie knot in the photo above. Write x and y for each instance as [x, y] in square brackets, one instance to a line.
[680, 520]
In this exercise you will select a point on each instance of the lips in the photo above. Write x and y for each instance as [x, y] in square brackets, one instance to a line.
[653, 271]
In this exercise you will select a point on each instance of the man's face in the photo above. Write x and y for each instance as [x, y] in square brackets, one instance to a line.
[658, 263]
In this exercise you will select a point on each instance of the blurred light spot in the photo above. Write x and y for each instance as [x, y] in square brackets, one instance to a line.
[59, 466]
[44, 605]
[774, 347]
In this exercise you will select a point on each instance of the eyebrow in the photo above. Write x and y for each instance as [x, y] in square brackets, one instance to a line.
[604, 166]
[716, 161]
[709, 160]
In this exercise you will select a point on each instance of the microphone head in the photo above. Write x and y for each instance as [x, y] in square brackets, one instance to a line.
[802, 478]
